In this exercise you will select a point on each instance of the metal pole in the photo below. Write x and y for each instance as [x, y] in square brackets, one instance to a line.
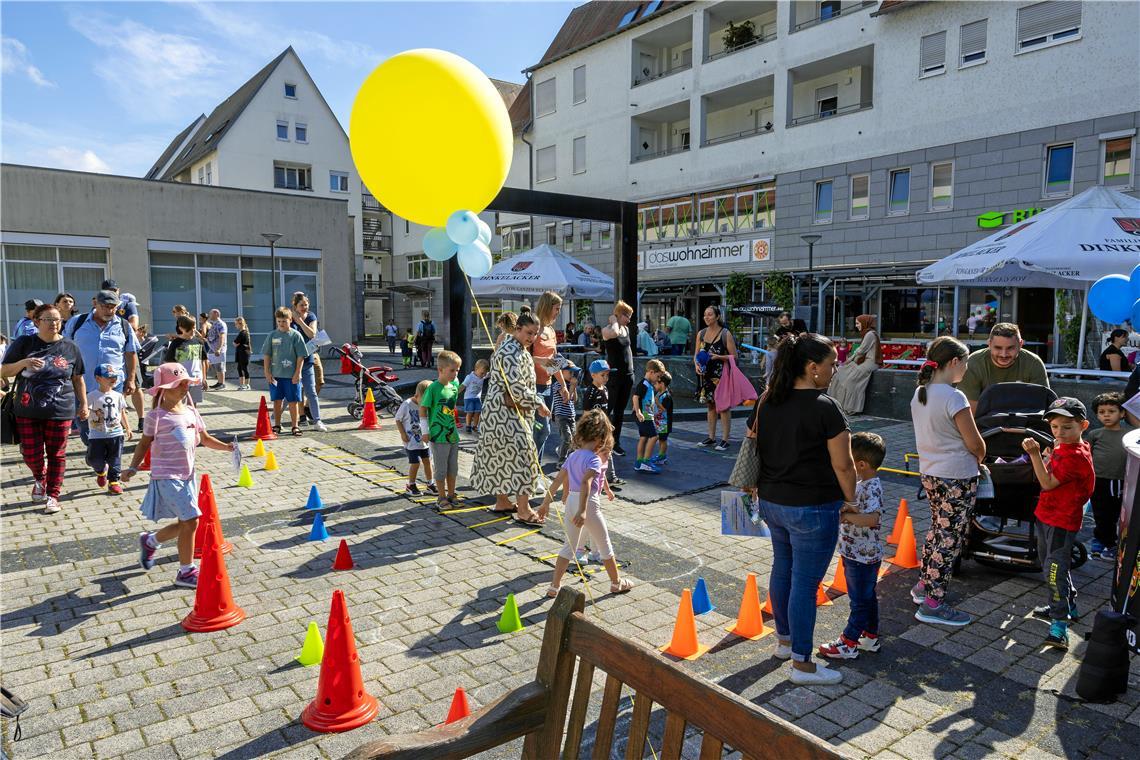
[273, 270]
[810, 284]
[1084, 326]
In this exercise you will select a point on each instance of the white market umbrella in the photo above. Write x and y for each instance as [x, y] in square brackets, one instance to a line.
[541, 269]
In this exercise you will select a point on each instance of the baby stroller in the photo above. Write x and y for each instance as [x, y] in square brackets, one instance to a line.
[1003, 531]
[374, 378]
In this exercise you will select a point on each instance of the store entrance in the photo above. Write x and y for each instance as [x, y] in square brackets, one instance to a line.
[1035, 318]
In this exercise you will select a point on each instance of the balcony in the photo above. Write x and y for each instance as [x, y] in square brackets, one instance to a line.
[660, 132]
[753, 23]
[377, 243]
[664, 51]
[806, 14]
[369, 204]
[737, 112]
[831, 87]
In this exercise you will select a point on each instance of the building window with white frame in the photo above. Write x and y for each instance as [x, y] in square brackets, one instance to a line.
[1048, 23]
[1058, 171]
[942, 186]
[283, 130]
[898, 202]
[551, 234]
[827, 100]
[605, 233]
[579, 155]
[972, 43]
[302, 132]
[932, 55]
[545, 164]
[568, 236]
[580, 85]
[1117, 164]
[420, 267]
[823, 193]
[338, 182]
[201, 175]
[290, 90]
[545, 101]
[586, 230]
[292, 176]
[860, 197]
[209, 172]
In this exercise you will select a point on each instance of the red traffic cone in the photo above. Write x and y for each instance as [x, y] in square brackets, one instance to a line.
[214, 607]
[264, 430]
[459, 707]
[145, 466]
[343, 559]
[839, 582]
[900, 523]
[210, 519]
[341, 703]
[369, 420]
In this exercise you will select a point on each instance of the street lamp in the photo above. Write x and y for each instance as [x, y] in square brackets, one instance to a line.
[273, 237]
[811, 240]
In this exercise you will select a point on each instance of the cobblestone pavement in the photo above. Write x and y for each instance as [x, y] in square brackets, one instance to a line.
[94, 644]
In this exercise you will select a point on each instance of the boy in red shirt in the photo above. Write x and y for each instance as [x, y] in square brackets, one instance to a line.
[1067, 482]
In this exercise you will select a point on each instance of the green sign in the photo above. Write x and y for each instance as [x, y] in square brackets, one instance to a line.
[992, 219]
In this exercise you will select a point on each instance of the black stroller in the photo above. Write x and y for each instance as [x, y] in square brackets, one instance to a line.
[1003, 530]
[366, 378]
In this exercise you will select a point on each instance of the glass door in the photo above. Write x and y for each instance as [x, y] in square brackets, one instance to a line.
[305, 282]
[220, 289]
[257, 305]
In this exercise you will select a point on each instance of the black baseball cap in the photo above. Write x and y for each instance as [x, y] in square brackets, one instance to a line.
[32, 303]
[109, 285]
[106, 297]
[1067, 406]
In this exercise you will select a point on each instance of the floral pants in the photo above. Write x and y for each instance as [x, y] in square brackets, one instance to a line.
[951, 503]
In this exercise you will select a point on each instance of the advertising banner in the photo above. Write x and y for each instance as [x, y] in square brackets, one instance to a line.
[755, 251]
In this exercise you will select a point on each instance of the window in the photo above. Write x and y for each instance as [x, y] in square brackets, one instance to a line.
[551, 234]
[209, 172]
[1044, 24]
[1059, 170]
[587, 233]
[860, 197]
[545, 164]
[685, 136]
[1117, 162]
[283, 130]
[932, 55]
[291, 90]
[605, 232]
[338, 182]
[651, 7]
[201, 175]
[972, 44]
[899, 201]
[568, 236]
[407, 227]
[292, 176]
[420, 267]
[580, 84]
[829, 9]
[627, 18]
[827, 100]
[579, 155]
[302, 132]
[822, 203]
[545, 101]
[942, 187]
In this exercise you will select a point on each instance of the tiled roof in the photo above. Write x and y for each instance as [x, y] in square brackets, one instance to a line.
[175, 144]
[596, 20]
[508, 91]
[520, 109]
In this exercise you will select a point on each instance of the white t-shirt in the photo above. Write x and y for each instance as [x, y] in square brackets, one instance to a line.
[941, 451]
[472, 386]
[408, 415]
[106, 419]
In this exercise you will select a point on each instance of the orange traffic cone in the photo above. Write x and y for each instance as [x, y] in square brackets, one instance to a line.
[369, 420]
[210, 519]
[341, 703]
[767, 606]
[839, 582]
[821, 597]
[145, 466]
[907, 556]
[900, 520]
[684, 643]
[343, 559]
[459, 707]
[264, 430]
[749, 621]
[214, 607]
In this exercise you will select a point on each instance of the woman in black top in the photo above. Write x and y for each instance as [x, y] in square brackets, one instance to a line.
[619, 354]
[806, 476]
[716, 341]
[1112, 358]
[241, 353]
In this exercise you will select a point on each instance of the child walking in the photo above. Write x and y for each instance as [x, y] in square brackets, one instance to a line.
[663, 418]
[108, 427]
[597, 396]
[472, 388]
[564, 411]
[950, 450]
[580, 480]
[644, 405]
[1067, 482]
[861, 546]
[188, 350]
[174, 428]
[411, 433]
[242, 346]
[1107, 444]
[406, 346]
[284, 355]
[437, 406]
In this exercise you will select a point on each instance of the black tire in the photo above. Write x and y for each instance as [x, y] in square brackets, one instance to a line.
[355, 410]
[1080, 555]
[393, 407]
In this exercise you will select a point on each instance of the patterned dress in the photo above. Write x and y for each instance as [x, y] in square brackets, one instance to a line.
[715, 367]
[504, 459]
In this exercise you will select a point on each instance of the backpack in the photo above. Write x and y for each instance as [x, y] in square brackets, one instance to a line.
[429, 329]
[83, 318]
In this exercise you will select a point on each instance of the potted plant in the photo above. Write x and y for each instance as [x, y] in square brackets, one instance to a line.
[738, 35]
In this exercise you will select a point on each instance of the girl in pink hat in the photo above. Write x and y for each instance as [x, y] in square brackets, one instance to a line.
[174, 428]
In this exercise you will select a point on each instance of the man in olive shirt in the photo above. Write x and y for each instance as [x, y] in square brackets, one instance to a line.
[1002, 361]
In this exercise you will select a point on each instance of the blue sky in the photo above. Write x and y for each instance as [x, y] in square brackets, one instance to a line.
[105, 86]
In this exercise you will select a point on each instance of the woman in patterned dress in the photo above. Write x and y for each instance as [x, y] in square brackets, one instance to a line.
[717, 342]
[505, 460]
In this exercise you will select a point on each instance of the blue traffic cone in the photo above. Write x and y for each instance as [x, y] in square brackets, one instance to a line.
[701, 601]
[314, 502]
[318, 533]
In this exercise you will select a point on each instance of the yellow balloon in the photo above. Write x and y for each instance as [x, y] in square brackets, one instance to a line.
[430, 135]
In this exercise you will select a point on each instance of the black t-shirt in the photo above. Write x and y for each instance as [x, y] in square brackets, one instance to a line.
[47, 393]
[596, 397]
[310, 318]
[795, 466]
[242, 343]
[1125, 365]
[619, 355]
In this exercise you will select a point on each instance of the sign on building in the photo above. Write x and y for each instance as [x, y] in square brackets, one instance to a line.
[755, 251]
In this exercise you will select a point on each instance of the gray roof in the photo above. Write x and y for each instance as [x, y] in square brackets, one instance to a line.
[175, 144]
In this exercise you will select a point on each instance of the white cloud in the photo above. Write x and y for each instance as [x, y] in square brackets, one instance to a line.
[63, 157]
[16, 60]
[83, 150]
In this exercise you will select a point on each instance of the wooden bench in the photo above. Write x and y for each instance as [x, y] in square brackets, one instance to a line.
[538, 709]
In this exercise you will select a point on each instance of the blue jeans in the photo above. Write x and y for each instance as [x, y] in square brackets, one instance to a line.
[542, 424]
[309, 386]
[803, 541]
[861, 580]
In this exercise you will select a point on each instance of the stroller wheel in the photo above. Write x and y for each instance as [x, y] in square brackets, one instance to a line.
[1080, 555]
[393, 407]
[355, 410]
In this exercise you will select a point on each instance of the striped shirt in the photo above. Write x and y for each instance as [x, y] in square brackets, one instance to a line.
[175, 435]
[562, 408]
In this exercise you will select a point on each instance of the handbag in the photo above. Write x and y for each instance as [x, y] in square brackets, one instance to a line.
[746, 471]
[8, 430]
[734, 387]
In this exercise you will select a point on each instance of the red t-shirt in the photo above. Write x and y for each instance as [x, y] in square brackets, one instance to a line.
[1071, 464]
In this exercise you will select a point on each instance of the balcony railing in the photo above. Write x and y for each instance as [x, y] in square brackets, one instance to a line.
[767, 33]
[760, 130]
[854, 107]
[661, 74]
[834, 15]
[658, 154]
[380, 243]
[369, 203]
[372, 225]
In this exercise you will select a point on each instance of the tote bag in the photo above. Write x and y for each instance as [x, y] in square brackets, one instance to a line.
[733, 389]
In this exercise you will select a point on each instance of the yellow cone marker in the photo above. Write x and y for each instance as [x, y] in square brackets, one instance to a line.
[313, 649]
[245, 480]
[259, 449]
[270, 462]
[369, 398]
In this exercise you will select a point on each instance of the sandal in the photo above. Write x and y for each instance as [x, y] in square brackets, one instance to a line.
[552, 591]
[277, 429]
[296, 432]
[533, 522]
[624, 586]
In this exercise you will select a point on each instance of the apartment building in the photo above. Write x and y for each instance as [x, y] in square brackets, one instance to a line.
[897, 132]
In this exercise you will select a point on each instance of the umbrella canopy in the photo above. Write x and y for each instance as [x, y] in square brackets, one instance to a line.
[1067, 246]
[541, 269]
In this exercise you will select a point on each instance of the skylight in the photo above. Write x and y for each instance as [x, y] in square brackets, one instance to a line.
[628, 17]
[651, 7]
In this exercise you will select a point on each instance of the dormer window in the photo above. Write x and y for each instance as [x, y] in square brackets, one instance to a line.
[290, 91]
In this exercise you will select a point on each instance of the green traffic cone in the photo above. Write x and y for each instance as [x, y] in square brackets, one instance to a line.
[313, 649]
[245, 480]
[509, 621]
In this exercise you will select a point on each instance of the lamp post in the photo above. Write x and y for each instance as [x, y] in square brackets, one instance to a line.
[272, 237]
[811, 240]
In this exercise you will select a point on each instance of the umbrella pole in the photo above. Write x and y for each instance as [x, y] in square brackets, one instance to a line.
[1084, 327]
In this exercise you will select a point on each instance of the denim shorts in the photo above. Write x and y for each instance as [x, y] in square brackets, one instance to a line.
[473, 405]
[284, 389]
[177, 499]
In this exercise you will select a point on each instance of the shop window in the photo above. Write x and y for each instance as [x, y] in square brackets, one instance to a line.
[899, 200]
[1045, 24]
[979, 309]
[917, 312]
[942, 186]
[1059, 170]
[860, 197]
[972, 43]
[822, 203]
[1118, 162]
[932, 55]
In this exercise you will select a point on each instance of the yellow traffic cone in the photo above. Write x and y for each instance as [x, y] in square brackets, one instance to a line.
[245, 480]
[313, 649]
[270, 462]
[259, 449]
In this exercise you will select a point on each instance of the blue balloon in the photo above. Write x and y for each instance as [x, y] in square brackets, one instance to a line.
[1135, 313]
[1134, 280]
[1111, 299]
[463, 227]
[437, 245]
[475, 259]
[485, 234]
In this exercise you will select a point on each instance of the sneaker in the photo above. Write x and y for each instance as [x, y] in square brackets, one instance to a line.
[320, 427]
[52, 506]
[918, 593]
[618, 451]
[1108, 553]
[39, 491]
[412, 488]
[943, 614]
[840, 649]
[1058, 637]
[619, 482]
[115, 488]
[1096, 548]
[432, 489]
[147, 549]
[660, 460]
[101, 479]
[722, 446]
[783, 651]
[869, 642]
[188, 578]
[823, 676]
[218, 386]
[647, 467]
[706, 443]
[1043, 612]
[139, 429]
